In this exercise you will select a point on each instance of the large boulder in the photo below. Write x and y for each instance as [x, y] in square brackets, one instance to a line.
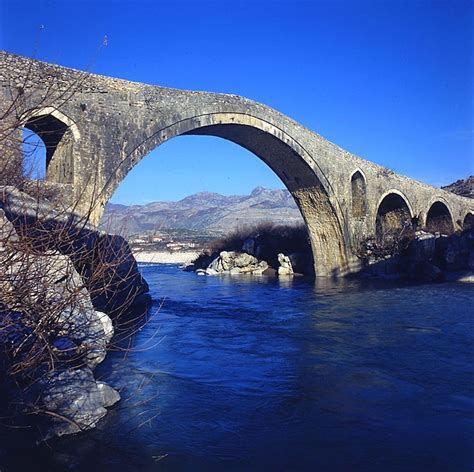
[51, 337]
[112, 275]
[232, 262]
[50, 285]
[75, 400]
[105, 262]
[422, 248]
[457, 251]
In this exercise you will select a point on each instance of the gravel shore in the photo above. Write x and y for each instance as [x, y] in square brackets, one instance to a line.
[165, 257]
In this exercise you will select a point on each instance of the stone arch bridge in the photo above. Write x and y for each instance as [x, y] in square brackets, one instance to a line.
[96, 129]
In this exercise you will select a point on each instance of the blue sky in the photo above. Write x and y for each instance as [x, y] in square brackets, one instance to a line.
[390, 81]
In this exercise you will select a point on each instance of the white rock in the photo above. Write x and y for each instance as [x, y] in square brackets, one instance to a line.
[110, 396]
[285, 267]
[106, 324]
[77, 397]
[232, 262]
[261, 268]
[50, 279]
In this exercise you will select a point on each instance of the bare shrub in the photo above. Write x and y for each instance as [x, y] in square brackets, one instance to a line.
[390, 241]
[441, 224]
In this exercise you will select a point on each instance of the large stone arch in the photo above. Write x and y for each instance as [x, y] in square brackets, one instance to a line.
[286, 157]
[394, 213]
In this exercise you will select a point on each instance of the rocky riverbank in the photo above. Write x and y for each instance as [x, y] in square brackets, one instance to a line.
[430, 257]
[65, 290]
[263, 250]
[417, 255]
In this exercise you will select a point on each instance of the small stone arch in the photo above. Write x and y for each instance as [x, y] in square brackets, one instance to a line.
[58, 133]
[394, 216]
[468, 222]
[55, 113]
[358, 195]
[439, 219]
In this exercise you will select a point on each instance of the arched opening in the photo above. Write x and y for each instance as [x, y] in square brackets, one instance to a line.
[359, 195]
[205, 194]
[468, 222]
[47, 147]
[438, 219]
[50, 130]
[393, 218]
[292, 164]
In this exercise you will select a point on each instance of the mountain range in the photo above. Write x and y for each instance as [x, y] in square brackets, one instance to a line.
[213, 213]
[204, 212]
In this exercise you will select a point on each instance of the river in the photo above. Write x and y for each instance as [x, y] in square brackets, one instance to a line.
[267, 374]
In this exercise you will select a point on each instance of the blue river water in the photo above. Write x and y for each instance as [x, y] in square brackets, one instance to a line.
[268, 374]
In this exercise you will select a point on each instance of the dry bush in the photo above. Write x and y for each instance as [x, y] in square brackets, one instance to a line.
[49, 272]
[288, 238]
[440, 224]
[393, 236]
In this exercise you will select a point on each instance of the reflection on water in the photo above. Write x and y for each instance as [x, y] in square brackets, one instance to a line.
[287, 374]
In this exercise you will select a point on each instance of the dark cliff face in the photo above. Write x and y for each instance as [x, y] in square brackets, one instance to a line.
[462, 187]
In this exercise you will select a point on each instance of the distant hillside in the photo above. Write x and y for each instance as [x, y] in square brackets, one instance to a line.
[204, 212]
[463, 187]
